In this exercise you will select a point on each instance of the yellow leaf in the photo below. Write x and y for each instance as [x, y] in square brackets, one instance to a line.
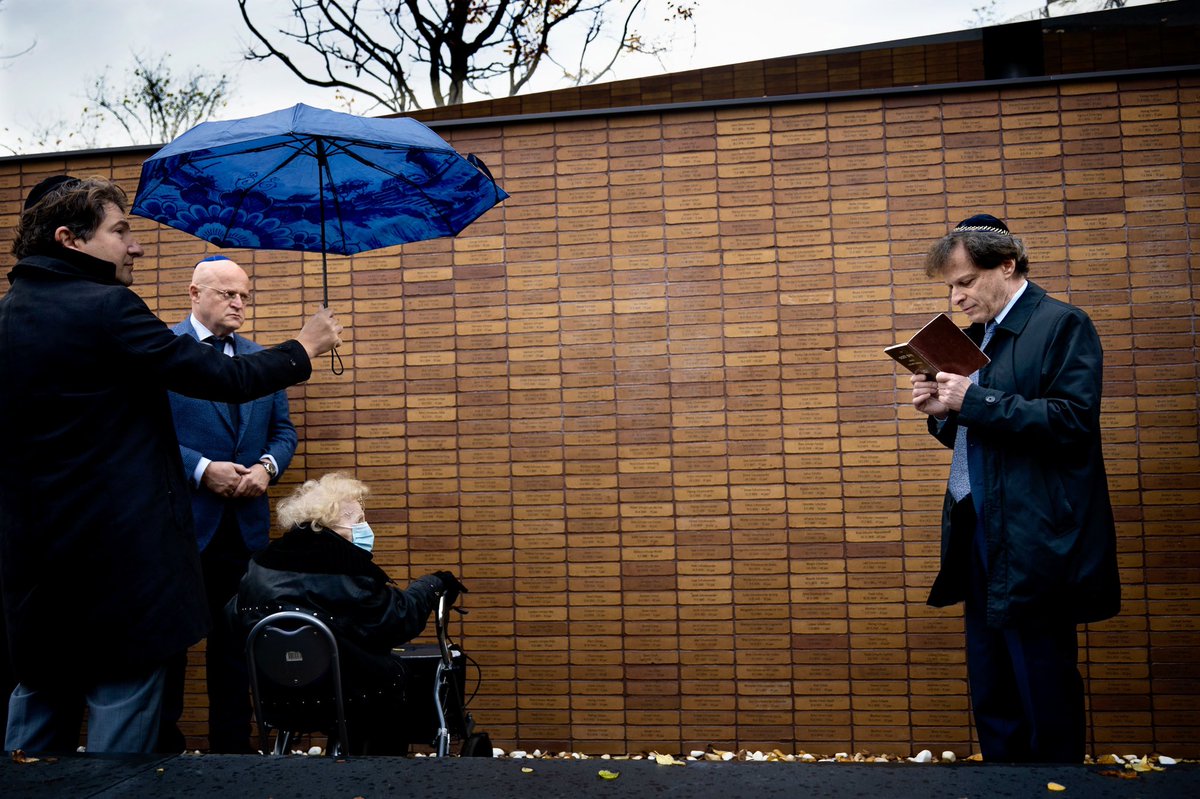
[1054, 786]
[605, 774]
[666, 760]
[526, 770]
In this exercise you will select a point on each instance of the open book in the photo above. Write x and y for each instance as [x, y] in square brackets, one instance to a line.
[940, 346]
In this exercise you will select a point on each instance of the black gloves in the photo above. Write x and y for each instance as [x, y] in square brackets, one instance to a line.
[450, 585]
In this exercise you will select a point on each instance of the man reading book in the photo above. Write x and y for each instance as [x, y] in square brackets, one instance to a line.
[1028, 539]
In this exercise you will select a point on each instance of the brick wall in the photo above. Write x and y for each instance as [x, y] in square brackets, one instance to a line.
[642, 407]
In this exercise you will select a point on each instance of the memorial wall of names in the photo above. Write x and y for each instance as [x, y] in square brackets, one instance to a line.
[642, 406]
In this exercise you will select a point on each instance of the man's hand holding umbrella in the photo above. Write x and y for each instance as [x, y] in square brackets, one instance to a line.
[320, 334]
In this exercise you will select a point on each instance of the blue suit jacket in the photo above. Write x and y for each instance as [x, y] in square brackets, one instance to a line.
[205, 429]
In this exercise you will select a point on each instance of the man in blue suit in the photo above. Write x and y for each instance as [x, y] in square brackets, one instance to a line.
[231, 453]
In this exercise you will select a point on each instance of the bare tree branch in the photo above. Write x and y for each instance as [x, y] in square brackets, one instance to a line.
[377, 48]
[154, 106]
[19, 53]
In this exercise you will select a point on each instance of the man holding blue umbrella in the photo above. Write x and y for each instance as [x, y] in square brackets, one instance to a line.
[98, 563]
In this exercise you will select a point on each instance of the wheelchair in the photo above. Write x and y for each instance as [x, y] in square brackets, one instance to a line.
[296, 682]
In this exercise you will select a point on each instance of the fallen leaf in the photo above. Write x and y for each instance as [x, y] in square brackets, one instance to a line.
[526, 770]
[1054, 786]
[605, 774]
[665, 760]
[1121, 775]
[19, 756]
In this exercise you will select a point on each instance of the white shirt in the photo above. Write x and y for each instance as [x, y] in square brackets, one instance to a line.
[204, 333]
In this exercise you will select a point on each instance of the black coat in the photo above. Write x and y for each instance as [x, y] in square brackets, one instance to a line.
[1051, 540]
[98, 561]
[320, 572]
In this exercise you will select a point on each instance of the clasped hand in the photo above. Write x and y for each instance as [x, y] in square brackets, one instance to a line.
[228, 479]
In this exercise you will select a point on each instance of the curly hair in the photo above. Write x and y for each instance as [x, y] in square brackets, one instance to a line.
[318, 503]
[77, 205]
[987, 250]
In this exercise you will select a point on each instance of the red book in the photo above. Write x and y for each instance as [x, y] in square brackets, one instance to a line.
[940, 346]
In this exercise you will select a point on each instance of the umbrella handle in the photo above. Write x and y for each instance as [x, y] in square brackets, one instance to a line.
[335, 362]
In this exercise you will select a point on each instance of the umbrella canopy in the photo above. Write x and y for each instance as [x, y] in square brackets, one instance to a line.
[307, 179]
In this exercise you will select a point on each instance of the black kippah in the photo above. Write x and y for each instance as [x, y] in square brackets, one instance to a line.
[45, 187]
[984, 222]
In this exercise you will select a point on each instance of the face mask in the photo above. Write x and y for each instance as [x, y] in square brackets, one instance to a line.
[362, 536]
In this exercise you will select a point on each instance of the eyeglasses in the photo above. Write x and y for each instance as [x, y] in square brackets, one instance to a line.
[229, 296]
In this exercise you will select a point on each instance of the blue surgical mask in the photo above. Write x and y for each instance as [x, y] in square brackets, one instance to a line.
[362, 536]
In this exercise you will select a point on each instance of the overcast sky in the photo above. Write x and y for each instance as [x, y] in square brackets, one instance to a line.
[72, 41]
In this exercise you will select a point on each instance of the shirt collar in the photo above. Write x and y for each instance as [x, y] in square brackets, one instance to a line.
[1016, 296]
[202, 332]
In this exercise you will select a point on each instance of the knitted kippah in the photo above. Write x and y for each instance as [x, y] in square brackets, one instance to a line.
[984, 222]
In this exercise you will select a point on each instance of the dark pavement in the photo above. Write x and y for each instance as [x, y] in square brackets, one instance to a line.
[237, 776]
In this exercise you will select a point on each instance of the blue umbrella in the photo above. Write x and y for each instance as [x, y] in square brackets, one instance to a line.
[307, 179]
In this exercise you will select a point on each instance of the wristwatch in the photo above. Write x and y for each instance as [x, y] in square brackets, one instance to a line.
[272, 472]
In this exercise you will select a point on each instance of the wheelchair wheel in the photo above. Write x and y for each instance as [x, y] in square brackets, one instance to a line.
[477, 745]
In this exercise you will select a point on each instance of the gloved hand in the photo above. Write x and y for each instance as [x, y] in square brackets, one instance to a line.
[450, 585]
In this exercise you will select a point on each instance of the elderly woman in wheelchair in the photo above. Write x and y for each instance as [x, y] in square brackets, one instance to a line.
[349, 684]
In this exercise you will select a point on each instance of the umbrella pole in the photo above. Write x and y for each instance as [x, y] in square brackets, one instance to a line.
[335, 358]
[322, 167]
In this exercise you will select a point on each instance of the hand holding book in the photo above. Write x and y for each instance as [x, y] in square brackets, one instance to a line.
[940, 346]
